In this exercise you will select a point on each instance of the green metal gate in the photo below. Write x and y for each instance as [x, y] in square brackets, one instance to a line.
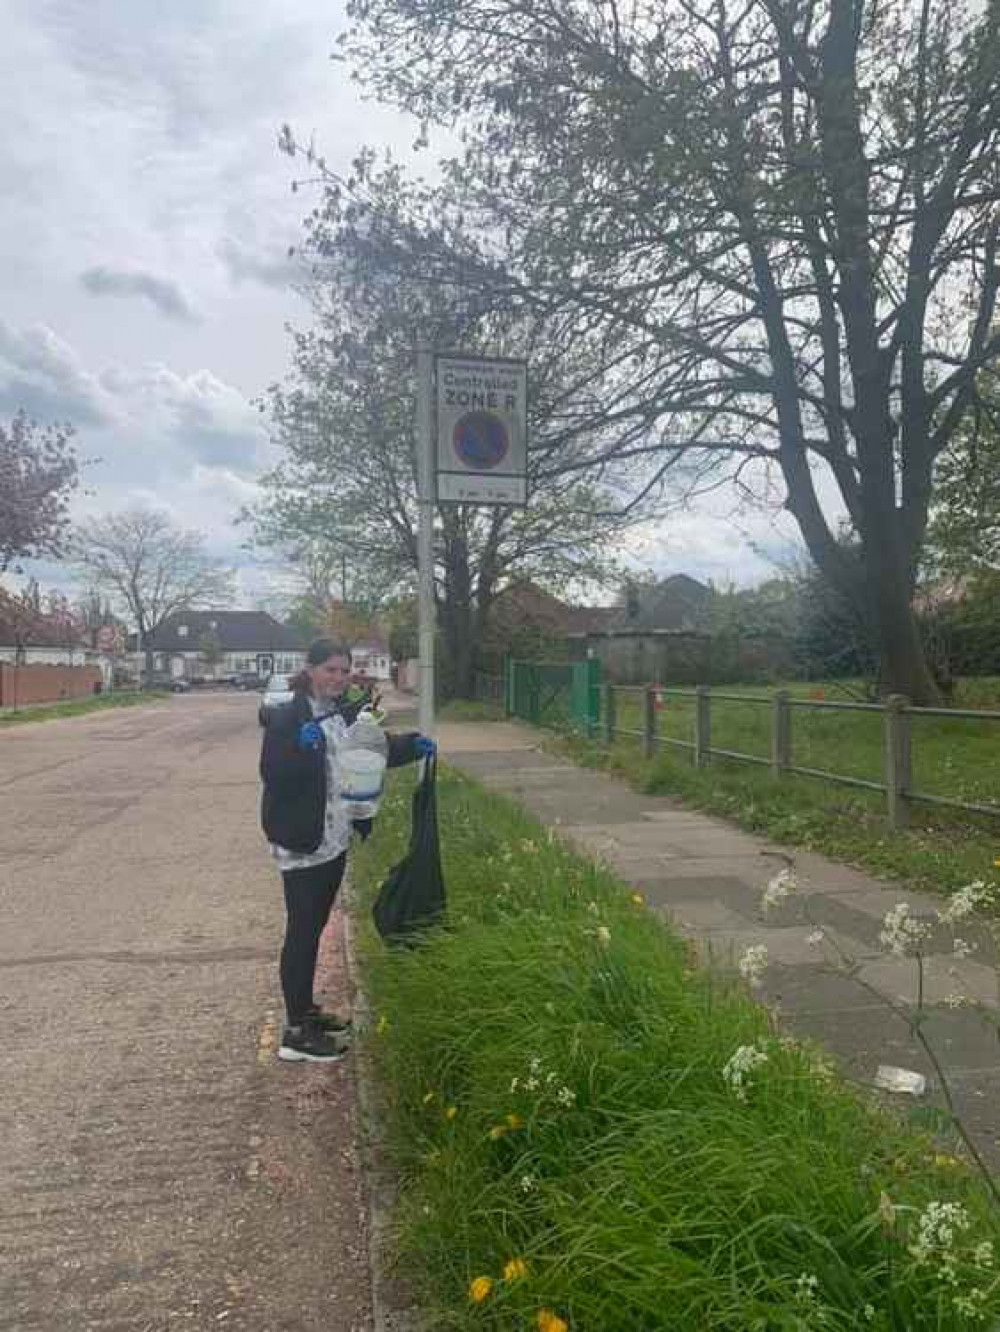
[562, 694]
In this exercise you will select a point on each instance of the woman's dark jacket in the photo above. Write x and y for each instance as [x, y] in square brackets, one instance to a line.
[293, 807]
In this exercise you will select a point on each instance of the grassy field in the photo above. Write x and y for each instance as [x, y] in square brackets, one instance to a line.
[576, 1151]
[953, 758]
[77, 707]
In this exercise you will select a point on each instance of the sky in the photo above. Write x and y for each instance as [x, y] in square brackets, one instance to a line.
[146, 289]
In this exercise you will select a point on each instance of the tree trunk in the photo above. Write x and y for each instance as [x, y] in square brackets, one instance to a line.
[903, 667]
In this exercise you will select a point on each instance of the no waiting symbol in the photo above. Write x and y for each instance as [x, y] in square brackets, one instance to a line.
[481, 440]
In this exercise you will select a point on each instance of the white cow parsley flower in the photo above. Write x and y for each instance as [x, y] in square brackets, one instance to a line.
[901, 932]
[739, 1068]
[783, 885]
[753, 964]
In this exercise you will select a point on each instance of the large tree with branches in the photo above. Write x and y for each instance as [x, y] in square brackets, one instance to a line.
[150, 568]
[778, 217]
[347, 485]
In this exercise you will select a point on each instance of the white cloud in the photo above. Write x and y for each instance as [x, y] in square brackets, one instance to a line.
[42, 374]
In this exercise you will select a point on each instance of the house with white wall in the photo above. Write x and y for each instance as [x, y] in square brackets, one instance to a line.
[372, 659]
[249, 642]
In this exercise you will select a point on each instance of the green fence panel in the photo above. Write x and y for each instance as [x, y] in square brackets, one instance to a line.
[563, 694]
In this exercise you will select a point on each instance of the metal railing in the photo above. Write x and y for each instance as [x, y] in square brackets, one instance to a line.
[897, 714]
[489, 688]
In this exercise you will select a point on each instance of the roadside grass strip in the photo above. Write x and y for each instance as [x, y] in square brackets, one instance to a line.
[593, 1135]
[78, 707]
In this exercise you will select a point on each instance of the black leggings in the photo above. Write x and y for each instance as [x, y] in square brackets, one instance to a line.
[309, 898]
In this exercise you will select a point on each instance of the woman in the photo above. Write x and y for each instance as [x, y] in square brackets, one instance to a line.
[307, 824]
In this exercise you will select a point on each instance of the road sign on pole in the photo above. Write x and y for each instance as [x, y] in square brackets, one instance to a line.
[482, 430]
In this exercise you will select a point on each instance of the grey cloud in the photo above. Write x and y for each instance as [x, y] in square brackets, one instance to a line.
[270, 269]
[166, 295]
[42, 375]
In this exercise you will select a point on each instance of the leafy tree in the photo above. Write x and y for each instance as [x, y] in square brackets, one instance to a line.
[348, 485]
[38, 474]
[779, 219]
[149, 568]
[964, 533]
[210, 649]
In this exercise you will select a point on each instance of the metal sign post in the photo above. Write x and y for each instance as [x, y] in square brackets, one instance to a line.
[425, 535]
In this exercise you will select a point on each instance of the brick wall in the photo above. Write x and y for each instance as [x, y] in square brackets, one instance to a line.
[20, 685]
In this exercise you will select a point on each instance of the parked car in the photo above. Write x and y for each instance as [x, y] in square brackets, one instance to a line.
[168, 682]
[277, 691]
[247, 680]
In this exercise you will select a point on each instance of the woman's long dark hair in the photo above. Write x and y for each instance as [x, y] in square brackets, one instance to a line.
[322, 649]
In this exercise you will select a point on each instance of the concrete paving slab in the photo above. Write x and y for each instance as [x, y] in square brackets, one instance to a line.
[822, 875]
[705, 917]
[787, 946]
[814, 990]
[864, 1038]
[667, 892]
[897, 977]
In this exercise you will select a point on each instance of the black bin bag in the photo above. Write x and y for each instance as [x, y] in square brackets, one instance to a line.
[412, 898]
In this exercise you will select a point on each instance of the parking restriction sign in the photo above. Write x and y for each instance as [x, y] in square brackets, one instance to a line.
[482, 430]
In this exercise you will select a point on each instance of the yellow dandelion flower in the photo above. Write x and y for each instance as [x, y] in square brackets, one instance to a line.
[451, 1112]
[996, 863]
[547, 1321]
[479, 1289]
[497, 1131]
[942, 1159]
[515, 1122]
[515, 1270]
[638, 899]
[382, 1026]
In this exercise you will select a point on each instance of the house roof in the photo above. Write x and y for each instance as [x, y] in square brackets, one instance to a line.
[373, 644]
[677, 602]
[236, 631]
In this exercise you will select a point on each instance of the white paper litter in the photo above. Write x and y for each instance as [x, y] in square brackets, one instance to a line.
[902, 1080]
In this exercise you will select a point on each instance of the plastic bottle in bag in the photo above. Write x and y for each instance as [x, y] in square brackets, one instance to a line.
[362, 756]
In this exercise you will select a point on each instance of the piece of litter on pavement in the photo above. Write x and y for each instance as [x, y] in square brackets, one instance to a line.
[903, 1080]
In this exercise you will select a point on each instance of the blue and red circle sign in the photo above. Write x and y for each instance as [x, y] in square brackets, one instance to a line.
[481, 440]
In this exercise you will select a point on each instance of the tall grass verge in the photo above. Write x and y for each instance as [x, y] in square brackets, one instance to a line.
[78, 707]
[592, 1134]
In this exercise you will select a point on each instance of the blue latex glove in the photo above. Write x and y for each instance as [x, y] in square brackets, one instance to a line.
[425, 747]
[311, 736]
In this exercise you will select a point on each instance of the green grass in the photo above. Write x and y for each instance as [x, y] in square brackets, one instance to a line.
[954, 758]
[77, 707]
[639, 1192]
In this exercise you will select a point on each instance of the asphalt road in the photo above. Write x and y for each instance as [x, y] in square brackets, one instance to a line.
[159, 1168]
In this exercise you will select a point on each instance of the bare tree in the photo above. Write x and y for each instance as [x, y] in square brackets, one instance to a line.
[151, 568]
[781, 218]
[38, 474]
